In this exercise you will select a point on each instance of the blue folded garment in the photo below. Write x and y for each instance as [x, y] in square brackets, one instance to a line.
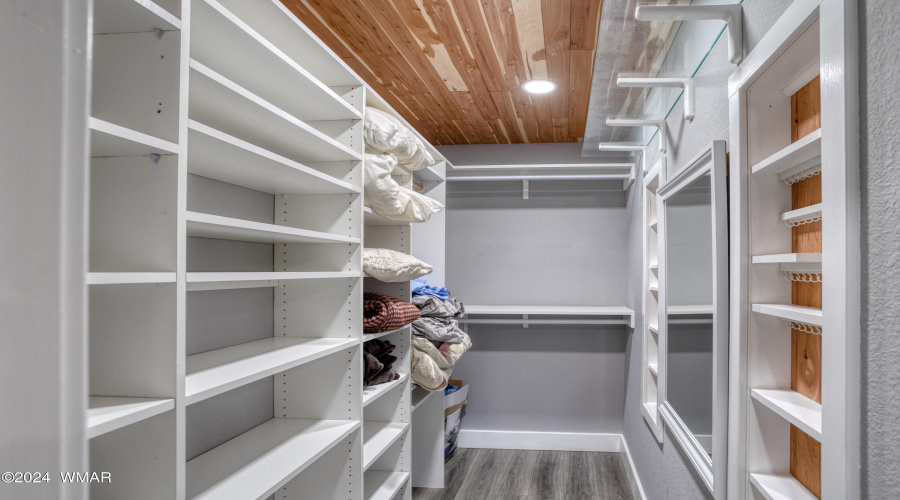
[450, 389]
[420, 288]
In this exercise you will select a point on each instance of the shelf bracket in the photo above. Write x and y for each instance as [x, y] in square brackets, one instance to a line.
[683, 83]
[525, 189]
[732, 14]
[623, 146]
[659, 123]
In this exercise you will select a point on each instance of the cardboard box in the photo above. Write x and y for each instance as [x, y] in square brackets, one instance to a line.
[451, 423]
[457, 397]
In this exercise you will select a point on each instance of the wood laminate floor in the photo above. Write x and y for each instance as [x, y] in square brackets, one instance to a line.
[481, 474]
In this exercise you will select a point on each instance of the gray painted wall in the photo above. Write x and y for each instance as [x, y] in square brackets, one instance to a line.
[664, 471]
[563, 246]
[880, 154]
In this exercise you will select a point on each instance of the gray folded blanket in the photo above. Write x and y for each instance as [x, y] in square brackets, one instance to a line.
[431, 306]
[438, 329]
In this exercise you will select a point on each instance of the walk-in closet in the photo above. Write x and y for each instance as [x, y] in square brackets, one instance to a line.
[449, 249]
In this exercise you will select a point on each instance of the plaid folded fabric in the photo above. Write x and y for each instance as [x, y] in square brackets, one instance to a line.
[383, 313]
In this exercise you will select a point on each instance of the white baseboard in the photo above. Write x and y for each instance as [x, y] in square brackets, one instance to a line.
[555, 441]
[636, 487]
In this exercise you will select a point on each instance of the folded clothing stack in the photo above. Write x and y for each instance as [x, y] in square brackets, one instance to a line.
[386, 134]
[438, 342]
[383, 313]
[388, 198]
[379, 363]
[392, 266]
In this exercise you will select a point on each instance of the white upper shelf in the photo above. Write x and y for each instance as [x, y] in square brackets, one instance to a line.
[131, 16]
[199, 281]
[549, 310]
[799, 410]
[690, 309]
[370, 394]
[217, 155]
[378, 437]
[780, 487]
[373, 219]
[214, 372]
[383, 485]
[106, 414]
[109, 139]
[258, 462]
[809, 315]
[792, 262]
[369, 336]
[803, 215]
[804, 151]
[226, 44]
[220, 103]
[128, 278]
[226, 228]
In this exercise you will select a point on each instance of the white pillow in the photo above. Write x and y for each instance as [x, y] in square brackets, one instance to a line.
[386, 134]
[416, 207]
[392, 266]
[387, 198]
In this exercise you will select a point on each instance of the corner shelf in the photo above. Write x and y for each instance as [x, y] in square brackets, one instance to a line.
[381, 485]
[110, 140]
[794, 407]
[216, 100]
[378, 437]
[780, 487]
[802, 216]
[803, 152]
[226, 228]
[197, 281]
[131, 16]
[258, 462]
[223, 157]
[372, 393]
[108, 413]
[222, 41]
[420, 394]
[214, 372]
[808, 315]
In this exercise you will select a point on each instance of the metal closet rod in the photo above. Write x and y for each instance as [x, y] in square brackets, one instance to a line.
[471, 178]
[521, 321]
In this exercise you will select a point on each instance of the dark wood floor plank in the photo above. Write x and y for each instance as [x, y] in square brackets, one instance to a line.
[531, 475]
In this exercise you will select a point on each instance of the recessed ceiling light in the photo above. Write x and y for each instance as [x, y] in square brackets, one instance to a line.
[539, 86]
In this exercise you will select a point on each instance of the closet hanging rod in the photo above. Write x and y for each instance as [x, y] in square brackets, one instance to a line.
[471, 178]
[549, 166]
[525, 321]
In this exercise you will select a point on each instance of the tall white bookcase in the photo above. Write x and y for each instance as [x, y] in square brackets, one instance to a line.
[783, 443]
[226, 156]
[650, 383]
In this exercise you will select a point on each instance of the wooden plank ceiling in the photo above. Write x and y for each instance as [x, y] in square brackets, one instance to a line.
[453, 68]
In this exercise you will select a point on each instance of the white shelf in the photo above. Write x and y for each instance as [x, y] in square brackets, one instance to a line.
[654, 267]
[109, 139]
[780, 487]
[799, 410]
[476, 310]
[106, 413]
[228, 45]
[654, 369]
[373, 219]
[654, 329]
[127, 278]
[369, 336]
[370, 394]
[131, 16]
[378, 437]
[420, 394]
[258, 462]
[803, 215]
[217, 155]
[226, 228]
[214, 372]
[229, 281]
[382, 485]
[809, 315]
[690, 309]
[224, 105]
[805, 150]
[788, 258]
[654, 288]
[653, 225]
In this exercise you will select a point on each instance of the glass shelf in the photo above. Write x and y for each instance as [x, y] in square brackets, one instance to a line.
[627, 47]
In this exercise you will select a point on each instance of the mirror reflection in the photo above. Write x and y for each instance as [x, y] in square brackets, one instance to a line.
[689, 308]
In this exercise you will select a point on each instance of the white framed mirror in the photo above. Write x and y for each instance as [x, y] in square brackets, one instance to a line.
[693, 300]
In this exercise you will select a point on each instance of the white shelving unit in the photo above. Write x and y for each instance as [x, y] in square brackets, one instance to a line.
[226, 168]
[783, 444]
[650, 402]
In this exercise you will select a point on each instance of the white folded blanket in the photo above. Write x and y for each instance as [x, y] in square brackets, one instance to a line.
[388, 198]
[386, 134]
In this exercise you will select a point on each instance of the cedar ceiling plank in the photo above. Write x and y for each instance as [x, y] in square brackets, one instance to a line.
[449, 30]
[526, 114]
[318, 26]
[356, 29]
[502, 21]
[530, 30]
[580, 74]
[541, 105]
[431, 105]
[470, 108]
[384, 14]
[468, 131]
[472, 21]
[585, 24]
[508, 120]
[561, 130]
[557, 17]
